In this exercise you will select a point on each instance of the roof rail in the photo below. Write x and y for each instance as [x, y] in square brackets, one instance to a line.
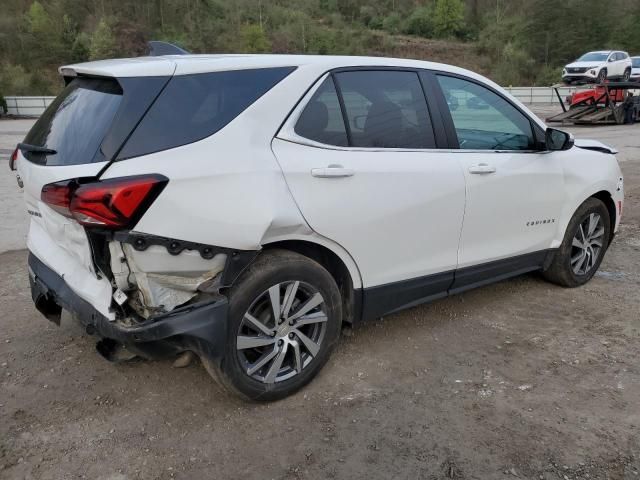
[157, 49]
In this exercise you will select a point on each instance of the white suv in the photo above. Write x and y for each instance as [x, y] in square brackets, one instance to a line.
[635, 69]
[243, 207]
[598, 67]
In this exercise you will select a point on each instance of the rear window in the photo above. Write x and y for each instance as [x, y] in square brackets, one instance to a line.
[193, 107]
[76, 122]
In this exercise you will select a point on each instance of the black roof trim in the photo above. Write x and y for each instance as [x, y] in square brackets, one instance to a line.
[158, 48]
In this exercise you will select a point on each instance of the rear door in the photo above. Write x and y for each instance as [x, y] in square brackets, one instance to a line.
[82, 130]
[359, 155]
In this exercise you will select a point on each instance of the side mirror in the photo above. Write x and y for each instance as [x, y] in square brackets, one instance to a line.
[611, 60]
[558, 140]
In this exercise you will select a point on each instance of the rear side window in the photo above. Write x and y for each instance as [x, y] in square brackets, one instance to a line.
[386, 109]
[76, 122]
[321, 120]
[193, 107]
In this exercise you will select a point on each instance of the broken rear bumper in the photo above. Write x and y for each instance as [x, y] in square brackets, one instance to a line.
[201, 328]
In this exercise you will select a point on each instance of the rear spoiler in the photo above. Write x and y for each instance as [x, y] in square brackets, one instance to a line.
[154, 64]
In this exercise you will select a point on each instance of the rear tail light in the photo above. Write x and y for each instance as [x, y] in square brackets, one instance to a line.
[13, 159]
[113, 203]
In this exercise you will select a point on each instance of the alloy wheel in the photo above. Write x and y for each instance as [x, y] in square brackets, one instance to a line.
[282, 332]
[587, 244]
[602, 76]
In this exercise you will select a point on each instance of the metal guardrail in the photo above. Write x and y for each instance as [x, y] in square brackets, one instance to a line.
[540, 95]
[27, 106]
[35, 106]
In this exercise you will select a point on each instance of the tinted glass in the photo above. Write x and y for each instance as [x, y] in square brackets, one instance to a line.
[192, 107]
[386, 109]
[76, 122]
[484, 120]
[593, 57]
[635, 62]
[321, 120]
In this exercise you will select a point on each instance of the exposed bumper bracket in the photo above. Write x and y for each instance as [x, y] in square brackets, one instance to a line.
[201, 327]
[237, 260]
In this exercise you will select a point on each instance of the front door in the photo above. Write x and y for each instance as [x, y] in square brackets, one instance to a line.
[361, 164]
[514, 192]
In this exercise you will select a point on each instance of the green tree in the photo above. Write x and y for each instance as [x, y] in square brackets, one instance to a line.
[14, 80]
[38, 19]
[103, 43]
[81, 48]
[392, 23]
[448, 17]
[254, 39]
[420, 22]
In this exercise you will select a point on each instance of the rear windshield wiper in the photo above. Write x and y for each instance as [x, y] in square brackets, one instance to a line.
[25, 147]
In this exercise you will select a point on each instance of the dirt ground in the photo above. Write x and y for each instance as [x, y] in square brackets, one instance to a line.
[521, 379]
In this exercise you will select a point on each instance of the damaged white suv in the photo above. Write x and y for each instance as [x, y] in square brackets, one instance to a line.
[243, 207]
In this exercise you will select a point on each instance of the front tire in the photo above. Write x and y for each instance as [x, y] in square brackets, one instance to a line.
[583, 247]
[602, 76]
[285, 314]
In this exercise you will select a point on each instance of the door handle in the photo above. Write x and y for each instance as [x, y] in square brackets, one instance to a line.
[481, 168]
[332, 171]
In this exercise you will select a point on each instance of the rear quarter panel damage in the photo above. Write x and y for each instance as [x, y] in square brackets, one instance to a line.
[226, 190]
[157, 282]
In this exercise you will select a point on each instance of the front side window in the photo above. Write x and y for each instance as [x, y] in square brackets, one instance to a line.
[483, 120]
[385, 109]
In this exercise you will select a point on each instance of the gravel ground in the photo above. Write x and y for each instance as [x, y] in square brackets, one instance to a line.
[520, 379]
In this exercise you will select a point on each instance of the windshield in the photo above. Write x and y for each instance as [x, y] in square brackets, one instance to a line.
[593, 57]
[635, 62]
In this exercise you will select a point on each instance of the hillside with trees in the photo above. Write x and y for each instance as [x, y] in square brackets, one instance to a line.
[515, 42]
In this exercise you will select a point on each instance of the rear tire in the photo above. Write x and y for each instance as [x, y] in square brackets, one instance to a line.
[583, 247]
[291, 348]
[627, 75]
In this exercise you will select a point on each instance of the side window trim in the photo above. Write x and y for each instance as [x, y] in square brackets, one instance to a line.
[287, 129]
[343, 109]
[445, 131]
[536, 131]
[433, 110]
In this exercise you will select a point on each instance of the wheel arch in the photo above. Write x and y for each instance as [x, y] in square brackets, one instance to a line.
[606, 198]
[347, 276]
